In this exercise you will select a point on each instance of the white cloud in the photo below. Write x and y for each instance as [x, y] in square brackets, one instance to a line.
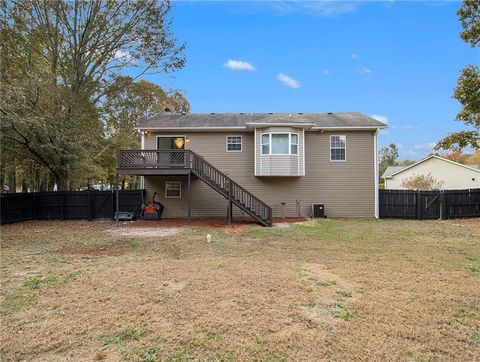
[122, 54]
[325, 72]
[365, 71]
[425, 146]
[380, 118]
[354, 56]
[239, 65]
[326, 8]
[288, 81]
[383, 119]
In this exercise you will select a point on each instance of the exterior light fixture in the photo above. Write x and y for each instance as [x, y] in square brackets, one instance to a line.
[179, 142]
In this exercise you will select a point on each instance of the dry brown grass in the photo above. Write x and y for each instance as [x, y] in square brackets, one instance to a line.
[326, 290]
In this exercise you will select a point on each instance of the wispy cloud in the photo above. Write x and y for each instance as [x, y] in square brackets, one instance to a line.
[325, 72]
[406, 127]
[417, 151]
[383, 119]
[354, 56]
[288, 81]
[425, 146]
[326, 8]
[365, 71]
[121, 54]
[239, 65]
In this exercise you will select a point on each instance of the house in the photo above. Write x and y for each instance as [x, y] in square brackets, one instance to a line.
[262, 165]
[451, 175]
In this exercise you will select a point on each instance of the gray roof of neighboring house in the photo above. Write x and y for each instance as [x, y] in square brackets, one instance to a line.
[242, 120]
[391, 170]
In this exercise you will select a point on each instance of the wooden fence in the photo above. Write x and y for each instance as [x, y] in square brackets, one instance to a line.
[66, 205]
[428, 205]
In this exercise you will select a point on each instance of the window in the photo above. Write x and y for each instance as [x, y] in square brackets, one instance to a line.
[279, 144]
[173, 189]
[338, 147]
[234, 143]
[293, 143]
[265, 144]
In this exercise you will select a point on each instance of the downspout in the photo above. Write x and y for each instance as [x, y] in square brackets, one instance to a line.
[375, 174]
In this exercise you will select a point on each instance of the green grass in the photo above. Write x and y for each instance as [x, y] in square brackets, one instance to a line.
[149, 355]
[344, 293]
[33, 283]
[179, 356]
[126, 335]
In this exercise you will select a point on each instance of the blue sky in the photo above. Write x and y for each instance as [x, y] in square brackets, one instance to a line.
[394, 59]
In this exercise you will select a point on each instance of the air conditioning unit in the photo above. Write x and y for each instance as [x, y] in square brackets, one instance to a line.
[318, 210]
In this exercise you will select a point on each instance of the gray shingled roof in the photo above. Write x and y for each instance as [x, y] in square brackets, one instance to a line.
[208, 120]
[391, 170]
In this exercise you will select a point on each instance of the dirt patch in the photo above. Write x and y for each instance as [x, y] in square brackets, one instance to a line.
[146, 231]
[205, 222]
[93, 250]
[333, 295]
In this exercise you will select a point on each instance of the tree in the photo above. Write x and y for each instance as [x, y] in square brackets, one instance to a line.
[467, 91]
[456, 156]
[126, 102]
[473, 159]
[59, 59]
[421, 182]
[387, 157]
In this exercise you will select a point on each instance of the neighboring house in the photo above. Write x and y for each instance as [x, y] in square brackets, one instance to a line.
[265, 164]
[452, 175]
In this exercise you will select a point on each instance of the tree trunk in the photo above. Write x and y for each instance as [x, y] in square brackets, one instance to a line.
[24, 184]
[123, 183]
[12, 181]
[1, 179]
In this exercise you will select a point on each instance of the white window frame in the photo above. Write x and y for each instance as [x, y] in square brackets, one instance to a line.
[270, 144]
[338, 148]
[227, 143]
[179, 183]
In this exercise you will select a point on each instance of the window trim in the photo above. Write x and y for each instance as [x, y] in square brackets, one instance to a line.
[179, 189]
[337, 148]
[270, 144]
[241, 143]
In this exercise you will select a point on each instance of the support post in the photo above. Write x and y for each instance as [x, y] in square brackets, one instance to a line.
[189, 198]
[117, 200]
[230, 211]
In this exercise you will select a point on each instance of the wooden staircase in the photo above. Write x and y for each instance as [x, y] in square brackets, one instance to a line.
[216, 179]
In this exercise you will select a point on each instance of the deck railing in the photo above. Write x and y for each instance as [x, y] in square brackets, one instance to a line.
[174, 159]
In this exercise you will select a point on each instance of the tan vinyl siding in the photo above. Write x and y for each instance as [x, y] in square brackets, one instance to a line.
[346, 188]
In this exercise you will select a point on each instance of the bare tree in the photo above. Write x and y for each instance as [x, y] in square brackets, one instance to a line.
[59, 58]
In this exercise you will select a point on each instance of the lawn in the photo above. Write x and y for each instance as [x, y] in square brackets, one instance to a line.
[317, 290]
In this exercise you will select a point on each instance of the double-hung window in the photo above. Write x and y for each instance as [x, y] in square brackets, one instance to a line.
[338, 148]
[234, 143]
[173, 189]
[279, 144]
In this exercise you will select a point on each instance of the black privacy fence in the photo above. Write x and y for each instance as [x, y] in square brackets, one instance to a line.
[67, 205]
[428, 205]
